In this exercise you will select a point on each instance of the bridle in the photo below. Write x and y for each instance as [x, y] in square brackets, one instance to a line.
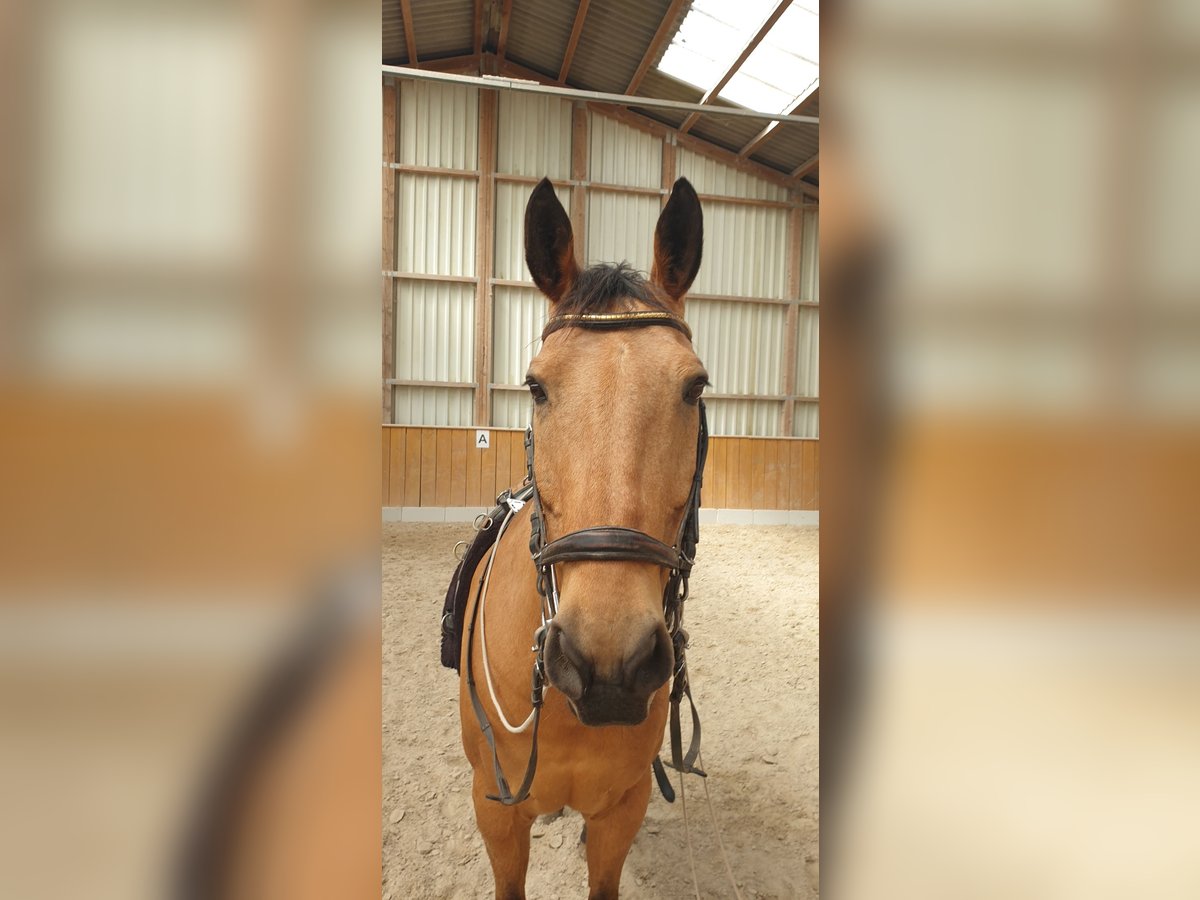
[606, 543]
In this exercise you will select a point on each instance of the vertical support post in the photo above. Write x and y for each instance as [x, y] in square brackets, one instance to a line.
[391, 102]
[484, 251]
[579, 175]
[668, 165]
[795, 258]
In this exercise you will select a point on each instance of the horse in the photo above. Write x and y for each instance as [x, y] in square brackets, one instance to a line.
[609, 514]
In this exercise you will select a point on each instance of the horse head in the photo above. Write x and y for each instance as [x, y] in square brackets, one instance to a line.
[616, 416]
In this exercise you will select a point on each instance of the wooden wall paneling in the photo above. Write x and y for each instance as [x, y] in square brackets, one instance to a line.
[487, 474]
[808, 475]
[458, 468]
[742, 477]
[785, 476]
[758, 467]
[412, 467]
[503, 458]
[474, 456]
[485, 243]
[386, 483]
[442, 480]
[516, 464]
[428, 467]
[771, 475]
[815, 501]
[794, 470]
[395, 460]
[730, 470]
[720, 447]
[442, 467]
[706, 484]
[783, 461]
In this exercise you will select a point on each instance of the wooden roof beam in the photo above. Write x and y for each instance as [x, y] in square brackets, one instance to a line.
[656, 44]
[805, 167]
[478, 33]
[410, 32]
[576, 31]
[756, 142]
[505, 19]
[712, 93]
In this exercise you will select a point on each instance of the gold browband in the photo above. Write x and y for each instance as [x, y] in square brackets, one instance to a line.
[616, 320]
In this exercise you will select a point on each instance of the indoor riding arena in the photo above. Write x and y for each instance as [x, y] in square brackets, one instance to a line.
[612, 101]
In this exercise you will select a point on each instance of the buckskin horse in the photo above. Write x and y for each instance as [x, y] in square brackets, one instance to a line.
[580, 597]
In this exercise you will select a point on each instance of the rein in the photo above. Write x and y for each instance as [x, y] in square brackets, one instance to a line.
[606, 543]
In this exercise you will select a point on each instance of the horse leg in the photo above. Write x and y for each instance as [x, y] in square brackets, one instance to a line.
[609, 837]
[505, 833]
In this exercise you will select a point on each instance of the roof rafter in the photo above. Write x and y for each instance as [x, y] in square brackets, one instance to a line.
[656, 44]
[576, 31]
[478, 33]
[755, 143]
[712, 93]
[505, 18]
[410, 32]
[805, 167]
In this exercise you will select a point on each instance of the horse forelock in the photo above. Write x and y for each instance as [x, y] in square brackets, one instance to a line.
[607, 288]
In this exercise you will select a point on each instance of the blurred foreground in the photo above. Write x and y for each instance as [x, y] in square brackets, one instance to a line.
[1011, 411]
[189, 365]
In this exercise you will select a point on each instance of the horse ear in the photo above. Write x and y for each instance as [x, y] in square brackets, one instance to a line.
[549, 243]
[678, 241]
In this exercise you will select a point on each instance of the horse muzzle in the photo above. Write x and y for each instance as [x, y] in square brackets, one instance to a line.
[619, 696]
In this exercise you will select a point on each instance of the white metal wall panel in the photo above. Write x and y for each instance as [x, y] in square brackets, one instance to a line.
[808, 352]
[759, 418]
[711, 177]
[806, 422]
[521, 314]
[435, 331]
[623, 155]
[741, 344]
[435, 225]
[534, 136]
[510, 409]
[745, 251]
[810, 258]
[439, 125]
[510, 228]
[433, 406]
[620, 228]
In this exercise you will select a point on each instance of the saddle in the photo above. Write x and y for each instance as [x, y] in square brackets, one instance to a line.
[454, 608]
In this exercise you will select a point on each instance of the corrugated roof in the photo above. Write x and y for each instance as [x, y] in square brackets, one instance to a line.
[443, 27]
[615, 37]
[394, 49]
[614, 40]
[538, 34]
[789, 148]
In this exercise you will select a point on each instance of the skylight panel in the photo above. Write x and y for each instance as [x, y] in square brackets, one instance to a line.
[710, 38]
[784, 68]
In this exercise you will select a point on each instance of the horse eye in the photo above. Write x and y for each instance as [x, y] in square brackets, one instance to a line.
[695, 389]
[536, 390]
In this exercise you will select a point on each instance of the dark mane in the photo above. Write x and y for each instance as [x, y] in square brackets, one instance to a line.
[608, 288]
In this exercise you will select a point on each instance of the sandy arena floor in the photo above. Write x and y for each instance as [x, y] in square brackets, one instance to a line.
[752, 617]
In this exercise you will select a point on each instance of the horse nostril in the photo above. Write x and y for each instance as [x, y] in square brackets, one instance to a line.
[649, 666]
[566, 668]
